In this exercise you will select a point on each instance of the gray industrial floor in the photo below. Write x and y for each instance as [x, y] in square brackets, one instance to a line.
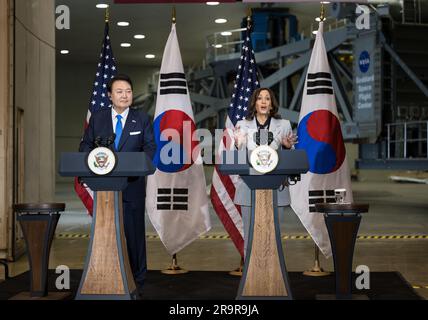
[395, 209]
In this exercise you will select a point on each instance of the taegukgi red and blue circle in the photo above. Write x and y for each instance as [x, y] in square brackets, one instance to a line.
[179, 147]
[320, 135]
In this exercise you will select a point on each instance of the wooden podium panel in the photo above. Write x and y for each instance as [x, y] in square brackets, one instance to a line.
[265, 275]
[107, 274]
[36, 232]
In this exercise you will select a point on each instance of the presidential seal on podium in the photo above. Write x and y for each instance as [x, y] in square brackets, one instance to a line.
[101, 161]
[264, 159]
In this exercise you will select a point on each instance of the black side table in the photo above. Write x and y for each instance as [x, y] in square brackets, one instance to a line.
[38, 223]
[343, 222]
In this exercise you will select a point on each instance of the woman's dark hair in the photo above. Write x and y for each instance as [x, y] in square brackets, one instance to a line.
[119, 77]
[252, 108]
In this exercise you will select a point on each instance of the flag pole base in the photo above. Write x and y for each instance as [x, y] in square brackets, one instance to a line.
[238, 271]
[174, 269]
[316, 273]
[316, 270]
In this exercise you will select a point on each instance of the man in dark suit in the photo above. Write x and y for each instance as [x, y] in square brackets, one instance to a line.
[134, 133]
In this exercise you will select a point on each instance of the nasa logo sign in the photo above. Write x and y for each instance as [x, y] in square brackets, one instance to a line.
[364, 61]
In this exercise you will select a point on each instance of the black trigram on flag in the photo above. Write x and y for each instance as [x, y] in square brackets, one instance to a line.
[173, 83]
[319, 83]
[320, 196]
[173, 199]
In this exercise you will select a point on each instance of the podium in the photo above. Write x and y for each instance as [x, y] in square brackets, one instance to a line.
[107, 274]
[265, 274]
[38, 223]
[343, 221]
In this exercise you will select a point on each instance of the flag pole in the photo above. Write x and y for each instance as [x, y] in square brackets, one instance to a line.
[174, 15]
[238, 271]
[322, 13]
[174, 269]
[249, 14]
[316, 270]
[107, 15]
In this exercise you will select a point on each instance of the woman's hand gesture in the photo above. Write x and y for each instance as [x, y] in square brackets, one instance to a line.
[239, 136]
[290, 140]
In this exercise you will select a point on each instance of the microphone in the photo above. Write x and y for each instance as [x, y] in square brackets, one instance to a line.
[110, 140]
[263, 137]
[98, 141]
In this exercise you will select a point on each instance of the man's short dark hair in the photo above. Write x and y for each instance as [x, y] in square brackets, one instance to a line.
[119, 77]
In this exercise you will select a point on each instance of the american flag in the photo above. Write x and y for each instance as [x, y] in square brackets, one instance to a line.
[99, 100]
[223, 187]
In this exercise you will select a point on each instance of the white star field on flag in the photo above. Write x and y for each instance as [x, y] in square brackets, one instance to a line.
[246, 82]
[106, 71]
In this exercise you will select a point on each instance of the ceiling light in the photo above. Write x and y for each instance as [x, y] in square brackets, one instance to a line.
[125, 45]
[150, 56]
[213, 3]
[325, 2]
[139, 36]
[218, 46]
[221, 20]
[314, 32]
[102, 6]
[123, 24]
[226, 33]
[318, 19]
[64, 52]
